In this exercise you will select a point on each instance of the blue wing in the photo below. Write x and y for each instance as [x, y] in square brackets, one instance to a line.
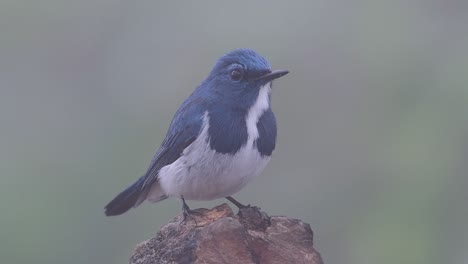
[184, 129]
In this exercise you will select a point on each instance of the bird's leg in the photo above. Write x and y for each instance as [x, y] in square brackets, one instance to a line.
[236, 203]
[187, 212]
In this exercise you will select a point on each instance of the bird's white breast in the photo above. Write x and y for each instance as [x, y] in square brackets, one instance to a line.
[203, 174]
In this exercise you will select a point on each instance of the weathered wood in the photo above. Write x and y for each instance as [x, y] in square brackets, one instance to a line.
[219, 236]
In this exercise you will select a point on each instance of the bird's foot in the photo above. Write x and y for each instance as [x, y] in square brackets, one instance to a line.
[236, 203]
[188, 213]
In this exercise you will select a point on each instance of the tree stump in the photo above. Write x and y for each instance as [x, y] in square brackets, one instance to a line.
[219, 236]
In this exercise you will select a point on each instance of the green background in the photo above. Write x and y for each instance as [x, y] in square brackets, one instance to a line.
[373, 121]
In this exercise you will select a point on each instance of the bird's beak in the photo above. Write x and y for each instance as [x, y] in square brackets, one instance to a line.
[272, 75]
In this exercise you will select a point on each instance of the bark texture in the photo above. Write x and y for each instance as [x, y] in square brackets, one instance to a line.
[219, 236]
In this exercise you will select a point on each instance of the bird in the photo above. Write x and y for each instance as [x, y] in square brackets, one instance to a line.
[220, 138]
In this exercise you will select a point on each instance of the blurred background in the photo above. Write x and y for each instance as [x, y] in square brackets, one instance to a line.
[373, 121]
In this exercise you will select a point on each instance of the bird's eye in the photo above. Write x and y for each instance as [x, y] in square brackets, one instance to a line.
[236, 74]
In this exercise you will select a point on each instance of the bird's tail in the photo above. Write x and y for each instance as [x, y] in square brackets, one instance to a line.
[133, 196]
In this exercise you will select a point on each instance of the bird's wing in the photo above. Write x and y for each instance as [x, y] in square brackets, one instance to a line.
[184, 129]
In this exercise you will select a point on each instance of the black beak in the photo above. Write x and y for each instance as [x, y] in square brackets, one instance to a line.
[272, 75]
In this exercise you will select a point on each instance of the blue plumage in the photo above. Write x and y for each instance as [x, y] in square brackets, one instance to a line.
[226, 121]
[267, 133]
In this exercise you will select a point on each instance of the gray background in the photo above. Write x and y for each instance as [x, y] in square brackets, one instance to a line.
[373, 121]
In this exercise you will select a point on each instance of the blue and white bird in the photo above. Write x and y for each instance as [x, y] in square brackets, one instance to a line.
[220, 138]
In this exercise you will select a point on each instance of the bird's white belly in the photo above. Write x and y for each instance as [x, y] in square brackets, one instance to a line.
[203, 174]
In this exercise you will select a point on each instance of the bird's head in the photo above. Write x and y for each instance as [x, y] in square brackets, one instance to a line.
[240, 74]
